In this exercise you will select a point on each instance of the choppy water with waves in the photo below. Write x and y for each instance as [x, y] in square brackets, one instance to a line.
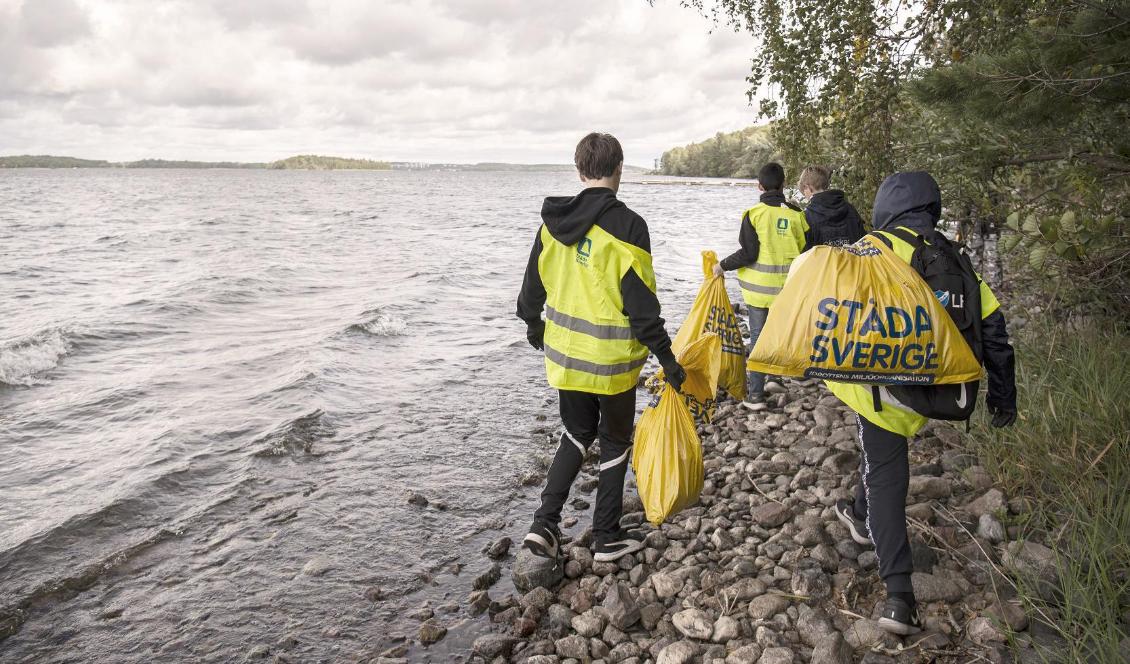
[211, 381]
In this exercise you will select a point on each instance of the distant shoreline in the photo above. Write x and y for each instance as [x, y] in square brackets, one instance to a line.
[297, 162]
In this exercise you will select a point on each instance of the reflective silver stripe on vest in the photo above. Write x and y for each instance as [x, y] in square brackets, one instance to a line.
[584, 327]
[557, 357]
[771, 269]
[758, 288]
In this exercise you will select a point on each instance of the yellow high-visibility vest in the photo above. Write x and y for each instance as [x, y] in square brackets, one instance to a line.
[589, 345]
[780, 234]
[894, 416]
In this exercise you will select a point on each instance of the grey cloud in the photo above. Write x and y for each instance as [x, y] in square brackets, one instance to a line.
[49, 23]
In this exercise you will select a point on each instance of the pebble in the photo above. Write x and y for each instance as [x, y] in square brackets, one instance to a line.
[679, 652]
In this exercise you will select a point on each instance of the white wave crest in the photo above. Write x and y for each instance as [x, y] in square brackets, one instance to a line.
[383, 325]
[23, 360]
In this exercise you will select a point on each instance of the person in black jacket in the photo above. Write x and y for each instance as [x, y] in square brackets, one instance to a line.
[831, 219]
[590, 273]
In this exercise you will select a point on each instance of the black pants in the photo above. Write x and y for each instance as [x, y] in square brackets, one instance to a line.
[585, 417]
[884, 470]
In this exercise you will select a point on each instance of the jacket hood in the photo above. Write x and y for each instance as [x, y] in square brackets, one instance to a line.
[828, 208]
[569, 218]
[910, 199]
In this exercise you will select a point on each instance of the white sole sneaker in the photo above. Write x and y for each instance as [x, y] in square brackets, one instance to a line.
[617, 550]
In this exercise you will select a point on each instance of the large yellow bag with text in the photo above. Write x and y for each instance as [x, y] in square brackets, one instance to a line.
[666, 451]
[861, 314]
[713, 313]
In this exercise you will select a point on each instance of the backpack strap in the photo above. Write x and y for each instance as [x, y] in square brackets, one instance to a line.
[908, 237]
[876, 400]
[882, 238]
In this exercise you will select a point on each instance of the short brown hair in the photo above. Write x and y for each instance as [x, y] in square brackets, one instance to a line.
[598, 155]
[815, 178]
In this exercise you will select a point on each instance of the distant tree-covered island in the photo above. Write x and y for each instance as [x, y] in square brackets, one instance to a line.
[310, 162]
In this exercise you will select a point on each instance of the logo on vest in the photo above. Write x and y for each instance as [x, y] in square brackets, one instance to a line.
[950, 300]
[782, 226]
[584, 250]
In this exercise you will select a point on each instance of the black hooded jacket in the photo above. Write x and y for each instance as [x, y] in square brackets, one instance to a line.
[568, 219]
[914, 201]
[832, 220]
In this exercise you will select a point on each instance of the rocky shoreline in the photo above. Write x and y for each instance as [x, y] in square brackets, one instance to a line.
[760, 571]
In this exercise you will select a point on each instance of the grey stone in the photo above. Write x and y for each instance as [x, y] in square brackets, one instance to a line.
[981, 630]
[588, 624]
[431, 632]
[930, 487]
[932, 588]
[490, 577]
[651, 614]
[694, 624]
[679, 652]
[619, 607]
[810, 582]
[726, 629]
[747, 654]
[990, 502]
[624, 651]
[666, 585]
[813, 625]
[489, 646]
[767, 606]
[776, 656]
[574, 647]
[831, 649]
[989, 528]
[532, 571]
[539, 598]
[317, 566]
[478, 601]
[499, 548]
[1008, 613]
[771, 515]
[865, 633]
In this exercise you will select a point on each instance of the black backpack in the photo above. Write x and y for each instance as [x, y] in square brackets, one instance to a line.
[948, 271]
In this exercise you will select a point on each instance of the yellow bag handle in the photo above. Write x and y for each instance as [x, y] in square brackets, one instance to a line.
[709, 260]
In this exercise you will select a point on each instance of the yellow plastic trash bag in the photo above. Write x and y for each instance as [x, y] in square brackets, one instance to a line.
[860, 314]
[666, 451]
[712, 312]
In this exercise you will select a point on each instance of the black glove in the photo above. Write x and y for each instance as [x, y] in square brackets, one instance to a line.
[675, 374]
[1002, 417]
[535, 333]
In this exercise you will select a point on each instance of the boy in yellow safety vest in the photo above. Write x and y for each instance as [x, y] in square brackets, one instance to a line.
[590, 272]
[910, 201]
[772, 234]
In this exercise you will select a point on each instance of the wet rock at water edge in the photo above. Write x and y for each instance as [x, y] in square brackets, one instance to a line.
[258, 652]
[431, 632]
[374, 593]
[533, 571]
[417, 498]
[478, 602]
[487, 578]
[498, 549]
[490, 646]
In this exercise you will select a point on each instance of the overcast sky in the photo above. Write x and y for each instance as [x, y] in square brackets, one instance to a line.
[406, 80]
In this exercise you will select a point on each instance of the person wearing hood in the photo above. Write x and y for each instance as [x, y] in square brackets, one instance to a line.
[590, 271]
[911, 202]
[772, 234]
[832, 220]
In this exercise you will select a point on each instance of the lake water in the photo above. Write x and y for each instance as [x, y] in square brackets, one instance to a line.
[213, 380]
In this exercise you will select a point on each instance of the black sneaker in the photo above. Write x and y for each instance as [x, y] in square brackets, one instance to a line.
[899, 618]
[621, 544]
[543, 540]
[845, 510]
